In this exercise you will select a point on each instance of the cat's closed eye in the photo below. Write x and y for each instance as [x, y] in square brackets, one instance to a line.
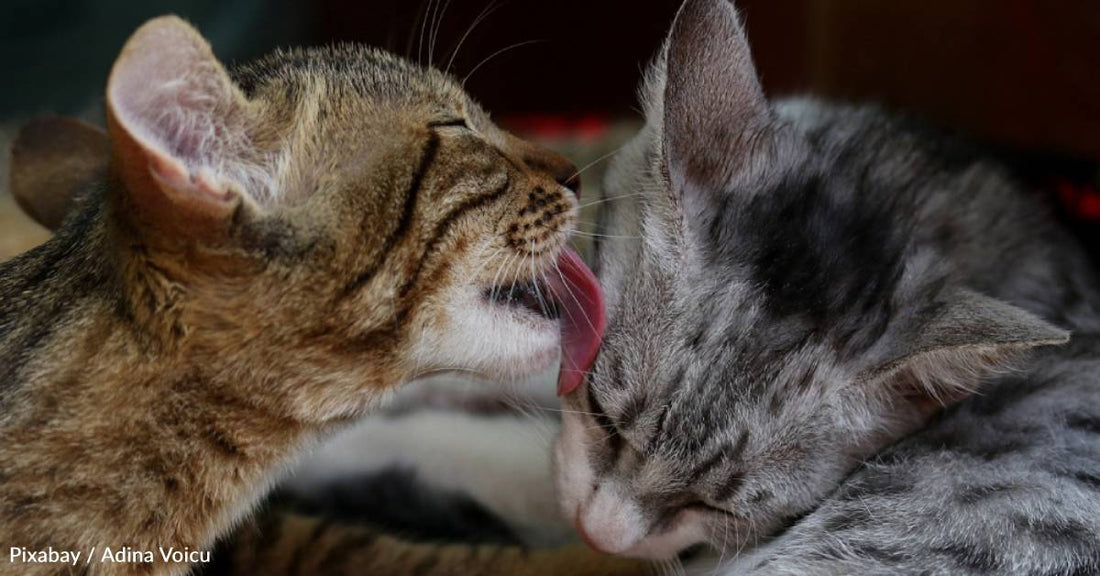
[605, 422]
[701, 506]
[451, 123]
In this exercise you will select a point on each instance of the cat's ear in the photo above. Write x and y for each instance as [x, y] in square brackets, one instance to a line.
[180, 130]
[53, 160]
[947, 351]
[714, 110]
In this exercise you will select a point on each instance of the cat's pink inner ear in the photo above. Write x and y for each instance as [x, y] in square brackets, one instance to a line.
[170, 97]
[171, 175]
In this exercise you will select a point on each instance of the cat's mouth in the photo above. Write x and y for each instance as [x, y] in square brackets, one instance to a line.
[569, 295]
[529, 297]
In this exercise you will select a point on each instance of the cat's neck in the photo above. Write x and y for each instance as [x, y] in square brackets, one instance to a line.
[110, 439]
[140, 453]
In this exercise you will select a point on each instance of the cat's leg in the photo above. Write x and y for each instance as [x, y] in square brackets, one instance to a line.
[286, 544]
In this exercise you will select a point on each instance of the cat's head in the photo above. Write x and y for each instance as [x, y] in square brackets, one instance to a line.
[333, 221]
[771, 321]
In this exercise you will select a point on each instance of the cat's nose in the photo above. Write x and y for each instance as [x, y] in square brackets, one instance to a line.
[551, 163]
[609, 523]
[583, 533]
[566, 174]
[557, 167]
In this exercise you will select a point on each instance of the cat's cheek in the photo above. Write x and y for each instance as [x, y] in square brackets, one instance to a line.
[476, 338]
[686, 532]
[574, 475]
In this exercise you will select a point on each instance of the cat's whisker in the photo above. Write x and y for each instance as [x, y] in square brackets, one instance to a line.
[485, 261]
[494, 292]
[609, 199]
[595, 162]
[599, 427]
[754, 533]
[585, 225]
[513, 266]
[575, 371]
[517, 266]
[539, 277]
[438, 25]
[433, 21]
[524, 407]
[498, 53]
[482, 262]
[443, 370]
[569, 288]
[741, 542]
[484, 14]
[563, 410]
[423, 18]
[598, 235]
[528, 261]
[429, 24]
[722, 548]
[412, 31]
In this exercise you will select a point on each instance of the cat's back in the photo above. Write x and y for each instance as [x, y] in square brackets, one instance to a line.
[1006, 483]
[48, 289]
[952, 202]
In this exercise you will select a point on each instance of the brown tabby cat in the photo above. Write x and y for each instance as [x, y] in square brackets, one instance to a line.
[269, 254]
[55, 158]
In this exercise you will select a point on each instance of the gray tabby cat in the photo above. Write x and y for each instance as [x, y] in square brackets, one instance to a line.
[792, 289]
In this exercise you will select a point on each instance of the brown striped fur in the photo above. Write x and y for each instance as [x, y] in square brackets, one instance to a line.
[187, 331]
[283, 544]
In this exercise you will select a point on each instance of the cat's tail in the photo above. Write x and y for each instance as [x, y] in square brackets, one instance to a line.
[287, 544]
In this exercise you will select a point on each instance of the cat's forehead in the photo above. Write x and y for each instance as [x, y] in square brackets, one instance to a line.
[350, 76]
[825, 246]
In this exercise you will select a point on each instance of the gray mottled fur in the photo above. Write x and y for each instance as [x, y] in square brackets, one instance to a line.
[791, 285]
[1006, 483]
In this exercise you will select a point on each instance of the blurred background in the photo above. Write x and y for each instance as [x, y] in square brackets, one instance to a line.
[1023, 75]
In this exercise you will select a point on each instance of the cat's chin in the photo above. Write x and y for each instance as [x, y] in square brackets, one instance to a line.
[491, 341]
[527, 338]
[667, 545]
[508, 331]
[523, 366]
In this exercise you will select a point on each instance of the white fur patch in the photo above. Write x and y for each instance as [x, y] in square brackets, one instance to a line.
[500, 461]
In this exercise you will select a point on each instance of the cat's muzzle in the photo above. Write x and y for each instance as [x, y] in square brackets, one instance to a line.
[530, 296]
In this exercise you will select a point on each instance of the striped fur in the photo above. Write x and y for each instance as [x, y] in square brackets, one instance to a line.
[288, 544]
[191, 327]
[793, 287]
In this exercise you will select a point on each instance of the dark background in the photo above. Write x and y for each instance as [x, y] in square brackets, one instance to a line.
[1022, 75]
[1022, 72]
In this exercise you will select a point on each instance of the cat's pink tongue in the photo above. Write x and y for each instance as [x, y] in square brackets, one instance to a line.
[580, 303]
